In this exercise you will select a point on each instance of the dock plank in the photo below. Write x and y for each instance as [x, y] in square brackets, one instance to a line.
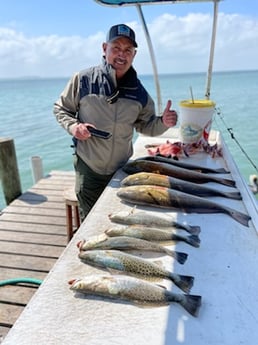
[32, 237]
[12, 273]
[39, 211]
[35, 219]
[10, 312]
[31, 249]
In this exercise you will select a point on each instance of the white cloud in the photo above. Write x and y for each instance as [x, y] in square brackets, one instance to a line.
[181, 44]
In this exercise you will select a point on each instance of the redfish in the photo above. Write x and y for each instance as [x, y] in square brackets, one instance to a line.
[186, 165]
[174, 171]
[167, 198]
[134, 290]
[144, 178]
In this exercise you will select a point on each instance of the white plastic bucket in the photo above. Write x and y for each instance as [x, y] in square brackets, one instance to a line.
[195, 120]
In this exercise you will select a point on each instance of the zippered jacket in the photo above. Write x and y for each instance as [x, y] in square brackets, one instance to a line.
[93, 96]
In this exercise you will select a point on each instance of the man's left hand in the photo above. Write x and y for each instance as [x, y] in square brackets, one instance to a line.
[169, 117]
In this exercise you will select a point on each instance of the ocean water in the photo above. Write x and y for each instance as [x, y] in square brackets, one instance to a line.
[26, 117]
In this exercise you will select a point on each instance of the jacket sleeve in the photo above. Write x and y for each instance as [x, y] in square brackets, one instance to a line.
[147, 122]
[67, 106]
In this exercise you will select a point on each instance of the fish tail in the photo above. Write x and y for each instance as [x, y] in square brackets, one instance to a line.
[194, 240]
[179, 256]
[232, 195]
[222, 171]
[193, 229]
[191, 303]
[228, 182]
[240, 217]
[184, 283]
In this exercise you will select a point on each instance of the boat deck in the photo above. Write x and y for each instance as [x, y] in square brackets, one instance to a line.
[224, 268]
[32, 237]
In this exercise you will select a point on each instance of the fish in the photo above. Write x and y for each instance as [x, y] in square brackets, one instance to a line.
[138, 165]
[134, 290]
[128, 243]
[132, 265]
[145, 178]
[185, 165]
[163, 197]
[150, 219]
[153, 234]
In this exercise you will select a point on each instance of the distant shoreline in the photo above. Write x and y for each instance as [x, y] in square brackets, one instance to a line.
[33, 78]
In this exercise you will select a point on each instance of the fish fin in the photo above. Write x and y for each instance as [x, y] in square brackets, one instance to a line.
[114, 271]
[193, 229]
[133, 209]
[240, 217]
[184, 283]
[221, 171]
[232, 195]
[147, 304]
[193, 240]
[191, 303]
[178, 256]
[162, 286]
[159, 263]
[227, 182]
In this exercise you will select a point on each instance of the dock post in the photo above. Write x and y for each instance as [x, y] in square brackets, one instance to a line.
[37, 168]
[9, 173]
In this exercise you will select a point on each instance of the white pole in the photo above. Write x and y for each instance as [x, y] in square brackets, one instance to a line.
[212, 48]
[153, 60]
[37, 168]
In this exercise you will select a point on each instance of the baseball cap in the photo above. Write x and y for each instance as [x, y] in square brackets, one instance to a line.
[121, 30]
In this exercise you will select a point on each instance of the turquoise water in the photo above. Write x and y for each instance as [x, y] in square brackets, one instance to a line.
[26, 116]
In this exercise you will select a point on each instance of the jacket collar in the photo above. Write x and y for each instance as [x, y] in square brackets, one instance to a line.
[128, 80]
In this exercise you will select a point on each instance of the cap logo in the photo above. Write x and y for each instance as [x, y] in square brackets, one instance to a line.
[123, 30]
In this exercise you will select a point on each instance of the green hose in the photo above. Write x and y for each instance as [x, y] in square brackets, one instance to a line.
[20, 280]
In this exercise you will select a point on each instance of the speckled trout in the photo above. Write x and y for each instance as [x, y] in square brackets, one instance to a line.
[134, 265]
[144, 178]
[136, 166]
[153, 234]
[134, 290]
[128, 243]
[163, 197]
[133, 217]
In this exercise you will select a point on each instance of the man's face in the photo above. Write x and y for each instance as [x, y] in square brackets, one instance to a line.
[119, 54]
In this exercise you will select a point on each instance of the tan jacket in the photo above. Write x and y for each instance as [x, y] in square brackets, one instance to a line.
[85, 99]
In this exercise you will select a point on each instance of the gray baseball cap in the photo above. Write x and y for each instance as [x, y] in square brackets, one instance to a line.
[121, 30]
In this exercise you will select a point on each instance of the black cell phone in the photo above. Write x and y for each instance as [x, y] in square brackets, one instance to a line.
[99, 133]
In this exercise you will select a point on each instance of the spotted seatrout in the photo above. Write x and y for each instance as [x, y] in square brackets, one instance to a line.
[150, 219]
[134, 290]
[133, 265]
[153, 234]
[128, 243]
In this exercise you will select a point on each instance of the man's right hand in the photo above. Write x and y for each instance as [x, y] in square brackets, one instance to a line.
[81, 132]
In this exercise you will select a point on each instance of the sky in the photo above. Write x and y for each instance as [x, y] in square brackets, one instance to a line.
[56, 38]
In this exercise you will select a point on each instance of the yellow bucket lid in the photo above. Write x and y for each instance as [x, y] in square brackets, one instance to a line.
[198, 103]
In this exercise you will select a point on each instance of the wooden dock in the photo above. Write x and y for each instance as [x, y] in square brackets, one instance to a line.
[32, 237]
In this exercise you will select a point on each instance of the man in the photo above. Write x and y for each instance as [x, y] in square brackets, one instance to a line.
[109, 97]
